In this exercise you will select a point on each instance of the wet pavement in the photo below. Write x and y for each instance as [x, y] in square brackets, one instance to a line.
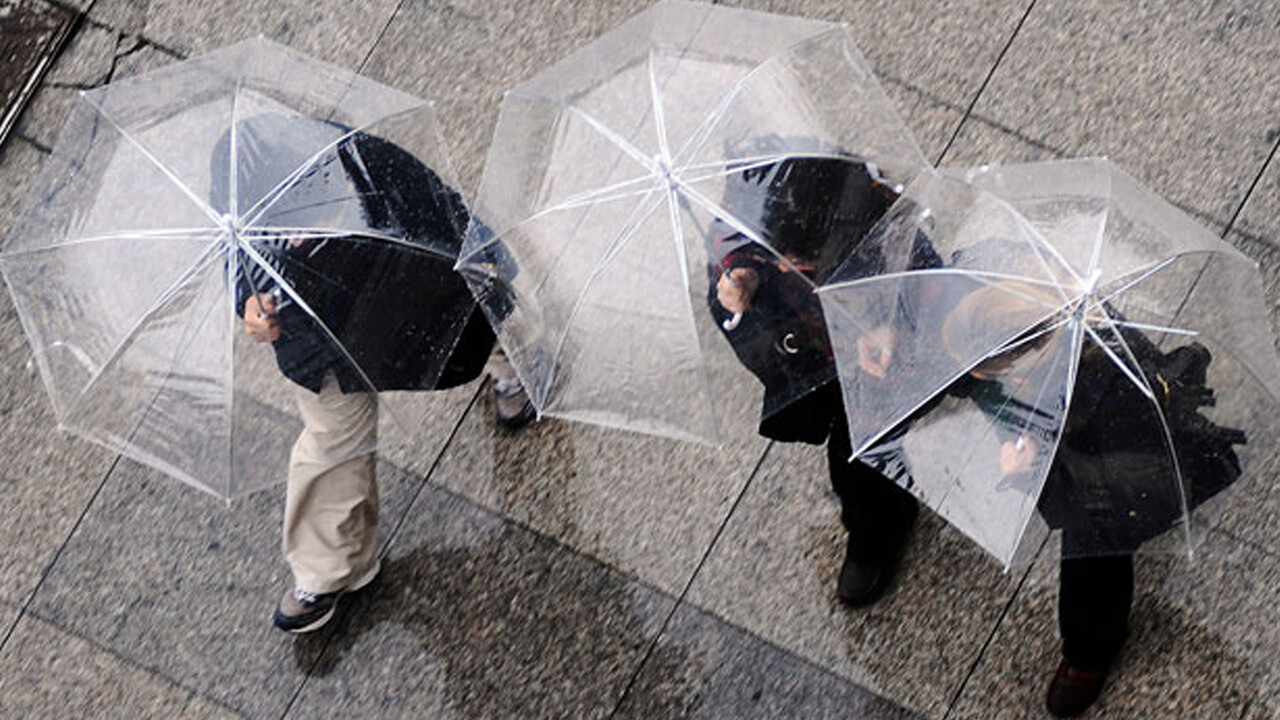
[571, 572]
[31, 34]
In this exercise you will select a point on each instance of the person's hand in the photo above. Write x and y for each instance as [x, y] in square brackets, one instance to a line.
[1017, 456]
[259, 318]
[875, 351]
[735, 289]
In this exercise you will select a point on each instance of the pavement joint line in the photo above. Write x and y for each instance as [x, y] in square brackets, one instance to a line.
[48, 568]
[65, 7]
[1252, 186]
[995, 628]
[39, 146]
[680, 601]
[378, 40]
[134, 662]
[391, 536]
[797, 657]
[986, 81]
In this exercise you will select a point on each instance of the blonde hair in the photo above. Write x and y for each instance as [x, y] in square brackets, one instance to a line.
[1001, 307]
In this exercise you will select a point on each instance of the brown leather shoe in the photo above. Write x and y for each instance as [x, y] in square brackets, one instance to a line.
[1073, 689]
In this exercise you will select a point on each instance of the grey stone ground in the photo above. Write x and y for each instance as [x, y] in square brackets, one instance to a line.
[573, 572]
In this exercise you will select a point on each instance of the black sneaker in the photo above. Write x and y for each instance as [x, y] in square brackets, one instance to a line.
[300, 611]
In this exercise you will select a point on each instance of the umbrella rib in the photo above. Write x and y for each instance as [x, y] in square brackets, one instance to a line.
[164, 169]
[1095, 255]
[316, 233]
[274, 195]
[1146, 271]
[903, 416]
[1140, 383]
[594, 199]
[585, 199]
[677, 228]
[738, 225]
[168, 235]
[1073, 364]
[625, 235]
[1146, 326]
[1139, 276]
[1036, 249]
[739, 164]
[620, 142]
[1168, 437]
[196, 267]
[991, 430]
[677, 233]
[1150, 270]
[751, 163]
[284, 285]
[703, 132]
[979, 274]
[658, 116]
[233, 154]
[303, 305]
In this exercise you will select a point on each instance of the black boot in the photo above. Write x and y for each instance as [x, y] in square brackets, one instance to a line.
[873, 555]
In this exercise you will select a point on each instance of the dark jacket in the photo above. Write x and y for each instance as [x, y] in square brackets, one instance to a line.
[1112, 485]
[815, 211]
[389, 314]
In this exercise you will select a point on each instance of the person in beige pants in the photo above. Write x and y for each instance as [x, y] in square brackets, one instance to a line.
[330, 529]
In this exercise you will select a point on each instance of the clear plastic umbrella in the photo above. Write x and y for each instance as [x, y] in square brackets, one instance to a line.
[620, 181]
[1087, 359]
[173, 197]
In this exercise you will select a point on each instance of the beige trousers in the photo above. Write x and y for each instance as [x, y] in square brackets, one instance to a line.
[331, 504]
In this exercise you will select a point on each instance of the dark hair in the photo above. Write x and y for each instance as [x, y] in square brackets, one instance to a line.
[811, 208]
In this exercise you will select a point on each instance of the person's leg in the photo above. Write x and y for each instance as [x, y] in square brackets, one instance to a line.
[511, 405]
[1094, 598]
[878, 515]
[331, 508]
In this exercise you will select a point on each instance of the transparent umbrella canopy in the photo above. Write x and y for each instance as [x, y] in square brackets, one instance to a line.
[1087, 360]
[613, 173]
[172, 197]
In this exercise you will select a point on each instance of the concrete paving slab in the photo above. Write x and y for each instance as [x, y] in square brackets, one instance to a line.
[1260, 216]
[8, 616]
[736, 675]
[46, 672]
[1202, 642]
[463, 55]
[1184, 100]
[48, 476]
[475, 617]
[931, 120]
[176, 581]
[20, 162]
[982, 141]
[85, 63]
[333, 30]
[31, 34]
[774, 569]
[944, 47]
[645, 505]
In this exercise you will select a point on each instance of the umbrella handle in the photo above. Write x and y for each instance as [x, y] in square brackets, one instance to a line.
[732, 322]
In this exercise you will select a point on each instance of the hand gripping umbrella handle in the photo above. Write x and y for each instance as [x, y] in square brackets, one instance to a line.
[732, 322]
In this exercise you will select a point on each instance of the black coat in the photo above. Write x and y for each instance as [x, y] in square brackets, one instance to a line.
[394, 310]
[1110, 485]
[816, 210]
